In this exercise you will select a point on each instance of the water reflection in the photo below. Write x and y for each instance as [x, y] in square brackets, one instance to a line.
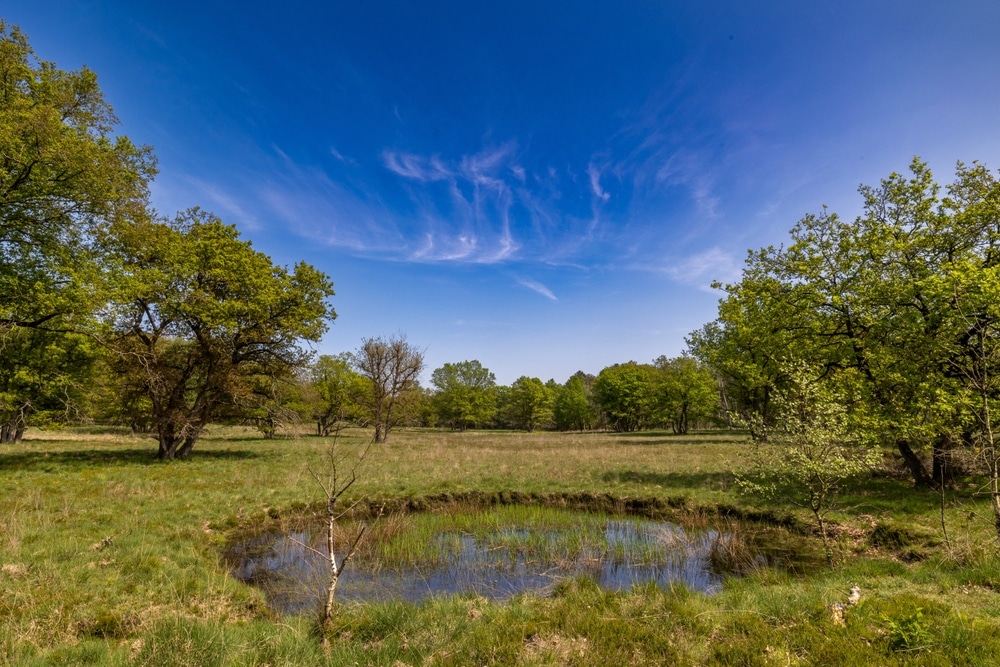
[497, 566]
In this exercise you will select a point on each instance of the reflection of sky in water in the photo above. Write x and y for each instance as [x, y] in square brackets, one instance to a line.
[295, 578]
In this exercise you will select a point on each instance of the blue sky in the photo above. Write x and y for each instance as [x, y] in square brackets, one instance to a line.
[543, 186]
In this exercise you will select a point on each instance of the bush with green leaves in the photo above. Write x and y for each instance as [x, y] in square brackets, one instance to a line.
[809, 451]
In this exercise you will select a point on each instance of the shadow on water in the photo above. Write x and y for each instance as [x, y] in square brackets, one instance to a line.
[498, 565]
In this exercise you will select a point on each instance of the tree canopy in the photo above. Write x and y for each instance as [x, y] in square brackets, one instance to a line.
[895, 305]
[627, 394]
[196, 313]
[465, 394]
[687, 392]
[62, 174]
[528, 403]
[339, 391]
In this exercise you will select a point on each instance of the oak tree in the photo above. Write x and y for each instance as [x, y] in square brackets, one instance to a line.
[197, 314]
[62, 173]
[465, 395]
[864, 300]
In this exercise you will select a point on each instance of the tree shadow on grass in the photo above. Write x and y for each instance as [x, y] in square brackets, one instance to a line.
[71, 460]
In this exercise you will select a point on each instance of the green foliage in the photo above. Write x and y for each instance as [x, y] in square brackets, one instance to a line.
[909, 633]
[338, 391]
[809, 452]
[894, 299]
[465, 395]
[687, 392]
[62, 174]
[42, 378]
[529, 404]
[573, 409]
[196, 315]
[627, 395]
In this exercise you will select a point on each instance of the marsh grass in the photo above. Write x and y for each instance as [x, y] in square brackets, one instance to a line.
[110, 557]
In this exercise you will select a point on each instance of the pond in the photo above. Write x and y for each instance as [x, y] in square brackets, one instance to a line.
[495, 554]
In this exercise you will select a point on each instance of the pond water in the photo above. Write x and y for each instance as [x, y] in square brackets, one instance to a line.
[617, 553]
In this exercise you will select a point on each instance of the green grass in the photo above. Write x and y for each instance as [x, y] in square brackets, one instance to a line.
[110, 557]
[543, 534]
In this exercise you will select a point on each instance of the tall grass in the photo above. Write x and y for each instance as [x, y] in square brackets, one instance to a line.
[110, 557]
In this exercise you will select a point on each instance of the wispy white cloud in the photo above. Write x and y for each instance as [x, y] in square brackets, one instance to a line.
[595, 182]
[229, 207]
[537, 287]
[341, 157]
[415, 167]
[704, 268]
[689, 169]
[472, 222]
[488, 206]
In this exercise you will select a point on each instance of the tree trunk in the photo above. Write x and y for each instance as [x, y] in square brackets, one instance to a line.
[173, 446]
[917, 468]
[168, 447]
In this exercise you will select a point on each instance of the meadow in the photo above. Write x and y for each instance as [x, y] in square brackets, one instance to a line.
[110, 557]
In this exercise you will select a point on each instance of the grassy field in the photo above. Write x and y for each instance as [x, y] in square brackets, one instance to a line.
[108, 556]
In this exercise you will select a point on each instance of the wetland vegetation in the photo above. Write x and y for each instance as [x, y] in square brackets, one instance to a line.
[859, 527]
[494, 552]
[110, 557]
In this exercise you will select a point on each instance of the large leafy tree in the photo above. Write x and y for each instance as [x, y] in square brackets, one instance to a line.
[686, 391]
[873, 303]
[528, 403]
[627, 395]
[198, 316]
[465, 394]
[63, 176]
[573, 408]
[62, 172]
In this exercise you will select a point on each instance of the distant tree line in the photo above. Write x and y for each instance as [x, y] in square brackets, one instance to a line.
[110, 311]
[677, 394]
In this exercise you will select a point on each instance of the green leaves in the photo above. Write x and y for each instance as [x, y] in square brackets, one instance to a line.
[62, 176]
[891, 304]
[198, 317]
[687, 392]
[528, 403]
[627, 394]
[809, 449]
[465, 394]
